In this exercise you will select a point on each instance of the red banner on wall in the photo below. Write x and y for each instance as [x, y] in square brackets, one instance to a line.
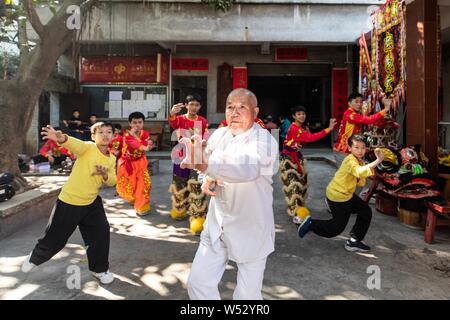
[153, 69]
[239, 77]
[190, 64]
[291, 54]
[340, 92]
[163, 70]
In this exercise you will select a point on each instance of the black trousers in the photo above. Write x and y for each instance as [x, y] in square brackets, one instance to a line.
[341, 212]
[94, 228]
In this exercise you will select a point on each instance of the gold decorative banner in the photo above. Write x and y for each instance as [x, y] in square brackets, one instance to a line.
[389, 52]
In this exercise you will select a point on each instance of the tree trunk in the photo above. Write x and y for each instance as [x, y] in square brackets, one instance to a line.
[19, 95]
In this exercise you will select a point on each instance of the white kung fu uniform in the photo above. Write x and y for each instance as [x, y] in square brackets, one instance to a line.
[240, 222]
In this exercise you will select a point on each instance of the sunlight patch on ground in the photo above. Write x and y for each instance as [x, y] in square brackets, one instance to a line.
[230, 285]
[335, 297]
[8, 282]
[383, 248]
[140, 230]
[279, 228]
[47, 183]
[124, 213]
[353, 295]
[177, 272]
[367, 255]
[11, 264]
[20, 292]
[76, 248]
[230, 267]
[93, 288]
[128, 280]
[9, 268]
[282, 292]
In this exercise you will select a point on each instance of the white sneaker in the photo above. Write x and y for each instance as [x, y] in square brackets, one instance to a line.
[27, 266]
[104, 277]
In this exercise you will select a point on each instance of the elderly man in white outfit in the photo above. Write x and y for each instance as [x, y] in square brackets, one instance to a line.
[240, 161]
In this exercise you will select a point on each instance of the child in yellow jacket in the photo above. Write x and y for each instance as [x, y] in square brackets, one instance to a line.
[343, 201]
[79, 203]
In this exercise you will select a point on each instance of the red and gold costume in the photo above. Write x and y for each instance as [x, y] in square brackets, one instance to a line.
[52, 148]
[133, 178]
[351, 124]
[224, 123]
[187, 197]
[293, 167]
[116, 146]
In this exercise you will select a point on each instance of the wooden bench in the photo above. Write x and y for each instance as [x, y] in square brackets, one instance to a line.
[438, 214]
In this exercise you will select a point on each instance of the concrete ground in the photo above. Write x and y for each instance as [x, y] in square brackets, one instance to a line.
[151, 256]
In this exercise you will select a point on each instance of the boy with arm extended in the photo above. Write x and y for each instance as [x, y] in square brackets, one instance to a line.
[187, 199]
[79, 204]
[343, 201]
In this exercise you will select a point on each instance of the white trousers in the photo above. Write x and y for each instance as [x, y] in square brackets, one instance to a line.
[207, 270]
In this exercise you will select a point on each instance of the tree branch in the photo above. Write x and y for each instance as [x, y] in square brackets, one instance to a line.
[87, 5]
[23, 39]
[34, 19]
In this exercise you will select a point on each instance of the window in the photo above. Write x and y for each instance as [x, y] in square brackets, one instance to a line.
[117, 102]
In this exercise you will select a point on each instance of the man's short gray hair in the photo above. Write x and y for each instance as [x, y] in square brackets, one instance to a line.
[244, 92]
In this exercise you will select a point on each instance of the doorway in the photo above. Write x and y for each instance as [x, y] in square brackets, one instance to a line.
[185, 85]
[281, 87]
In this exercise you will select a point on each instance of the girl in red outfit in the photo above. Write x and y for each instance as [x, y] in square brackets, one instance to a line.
[292, 164]
[133, 178]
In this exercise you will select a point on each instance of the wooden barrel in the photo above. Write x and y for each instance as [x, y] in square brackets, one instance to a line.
[386, 204]
[412, 219]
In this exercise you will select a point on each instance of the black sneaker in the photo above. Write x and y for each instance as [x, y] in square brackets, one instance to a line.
[356, 246]
[304, 227]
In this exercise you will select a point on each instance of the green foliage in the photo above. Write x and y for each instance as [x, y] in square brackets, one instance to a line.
[222, 5]
[10, 15]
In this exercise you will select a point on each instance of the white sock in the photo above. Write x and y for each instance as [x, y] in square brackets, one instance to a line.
[353, 239]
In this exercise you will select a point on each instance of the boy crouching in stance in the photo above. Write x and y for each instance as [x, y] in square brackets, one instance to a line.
[343, 201]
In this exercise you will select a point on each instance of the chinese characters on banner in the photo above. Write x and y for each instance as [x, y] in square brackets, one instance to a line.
[339, 84]
[153, 69]
[190, 64]
[291, 54]
[239, 77]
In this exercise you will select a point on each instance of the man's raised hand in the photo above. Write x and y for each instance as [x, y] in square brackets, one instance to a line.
[208, 186]
[49, 133]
